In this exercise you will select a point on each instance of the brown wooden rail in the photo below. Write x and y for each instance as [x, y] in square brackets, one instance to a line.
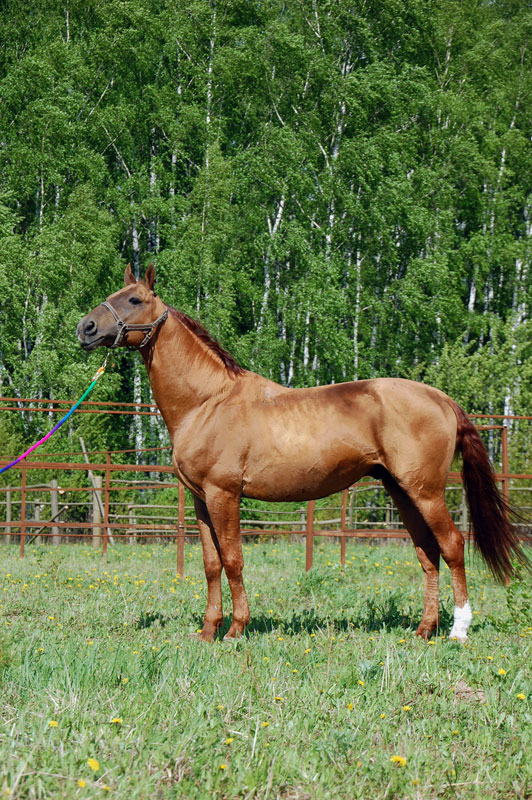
[103, 528]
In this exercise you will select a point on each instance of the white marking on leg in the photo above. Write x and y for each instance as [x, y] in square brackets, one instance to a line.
[462, 621]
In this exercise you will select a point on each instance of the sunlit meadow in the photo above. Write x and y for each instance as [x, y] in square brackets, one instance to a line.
[329, 695]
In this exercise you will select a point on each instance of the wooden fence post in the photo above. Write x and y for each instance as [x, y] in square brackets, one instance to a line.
[37, 517]
[463, 510]
[8, 513]
[132, 522]
[504, 454]
[54, 503]
[342, 527]
[22, 510]
[309, 535]
[180, 529]
[96, 511]
[106, 505]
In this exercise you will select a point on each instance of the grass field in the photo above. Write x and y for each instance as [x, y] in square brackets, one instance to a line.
[329, 695]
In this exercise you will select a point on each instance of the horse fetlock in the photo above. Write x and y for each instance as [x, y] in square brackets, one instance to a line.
[462, 620]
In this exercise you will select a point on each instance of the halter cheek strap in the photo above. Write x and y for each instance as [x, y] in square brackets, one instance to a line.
[125, 327]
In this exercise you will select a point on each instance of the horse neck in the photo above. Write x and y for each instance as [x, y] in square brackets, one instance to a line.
[183, 372]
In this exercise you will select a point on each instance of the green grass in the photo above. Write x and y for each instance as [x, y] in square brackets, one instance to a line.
[328, 685]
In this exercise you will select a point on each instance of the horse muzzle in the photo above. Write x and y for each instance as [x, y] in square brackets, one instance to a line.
[89, 334]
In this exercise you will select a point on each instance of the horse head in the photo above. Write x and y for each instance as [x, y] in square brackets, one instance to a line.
[128, 317]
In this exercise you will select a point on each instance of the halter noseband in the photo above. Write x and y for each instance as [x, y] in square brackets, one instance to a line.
[125, 327]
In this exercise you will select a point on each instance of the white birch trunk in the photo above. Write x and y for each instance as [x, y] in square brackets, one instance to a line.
[137, 419]
[273, 228]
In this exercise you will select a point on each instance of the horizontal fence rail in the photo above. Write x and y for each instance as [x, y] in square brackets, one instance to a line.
[117, 501]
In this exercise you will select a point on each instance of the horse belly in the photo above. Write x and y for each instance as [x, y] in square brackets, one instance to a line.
[298, 468]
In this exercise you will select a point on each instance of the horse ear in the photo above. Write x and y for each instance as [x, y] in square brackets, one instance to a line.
[128, 276]
[149, 277]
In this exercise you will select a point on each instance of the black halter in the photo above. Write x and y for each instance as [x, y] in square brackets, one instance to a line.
[125, 327]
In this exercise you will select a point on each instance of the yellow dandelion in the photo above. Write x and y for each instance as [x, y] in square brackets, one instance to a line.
[53, 723]
[399, 760]
[307, 650]
[350, 706]
[223, 766]
[520, 696]
[361, 683]
[81, 783]
[265, 724]
[116, 720]
[502, 671]
[407, 708]
[383, 716]
[230, 739]
[94, 764]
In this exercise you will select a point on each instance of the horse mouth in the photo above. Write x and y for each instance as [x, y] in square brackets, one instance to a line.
[92, 345]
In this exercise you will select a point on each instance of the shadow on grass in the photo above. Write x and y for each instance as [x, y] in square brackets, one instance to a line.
[387, 616]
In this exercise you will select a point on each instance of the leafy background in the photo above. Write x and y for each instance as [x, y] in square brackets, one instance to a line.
[337, 189]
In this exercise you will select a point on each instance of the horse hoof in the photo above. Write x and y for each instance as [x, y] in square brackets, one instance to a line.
[424, 633]
[200, 636]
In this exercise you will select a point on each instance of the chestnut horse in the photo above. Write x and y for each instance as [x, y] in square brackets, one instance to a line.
[236, 434]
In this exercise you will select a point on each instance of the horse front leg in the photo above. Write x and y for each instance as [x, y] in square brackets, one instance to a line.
[224, 511]
[213, 570]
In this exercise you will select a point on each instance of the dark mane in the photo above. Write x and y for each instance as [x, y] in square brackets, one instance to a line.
[204, 336]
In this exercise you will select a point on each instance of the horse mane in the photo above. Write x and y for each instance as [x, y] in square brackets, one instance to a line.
[195, 327]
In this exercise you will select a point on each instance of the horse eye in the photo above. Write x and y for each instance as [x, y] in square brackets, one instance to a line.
[135, 301]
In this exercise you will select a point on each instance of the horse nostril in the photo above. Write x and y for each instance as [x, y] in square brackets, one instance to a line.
[90, 328]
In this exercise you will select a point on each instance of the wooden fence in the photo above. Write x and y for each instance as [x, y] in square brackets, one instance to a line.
[50, 511]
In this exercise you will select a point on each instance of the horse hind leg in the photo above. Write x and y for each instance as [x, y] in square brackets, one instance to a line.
[427, 550]
[433, 531]
[451, 544]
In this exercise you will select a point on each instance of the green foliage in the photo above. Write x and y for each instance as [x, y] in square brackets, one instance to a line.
[338, 192]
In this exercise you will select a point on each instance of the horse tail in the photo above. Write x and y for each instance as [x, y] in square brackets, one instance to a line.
[490, 513]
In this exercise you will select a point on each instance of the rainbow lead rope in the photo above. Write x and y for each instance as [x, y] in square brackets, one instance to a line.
[95, 379]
